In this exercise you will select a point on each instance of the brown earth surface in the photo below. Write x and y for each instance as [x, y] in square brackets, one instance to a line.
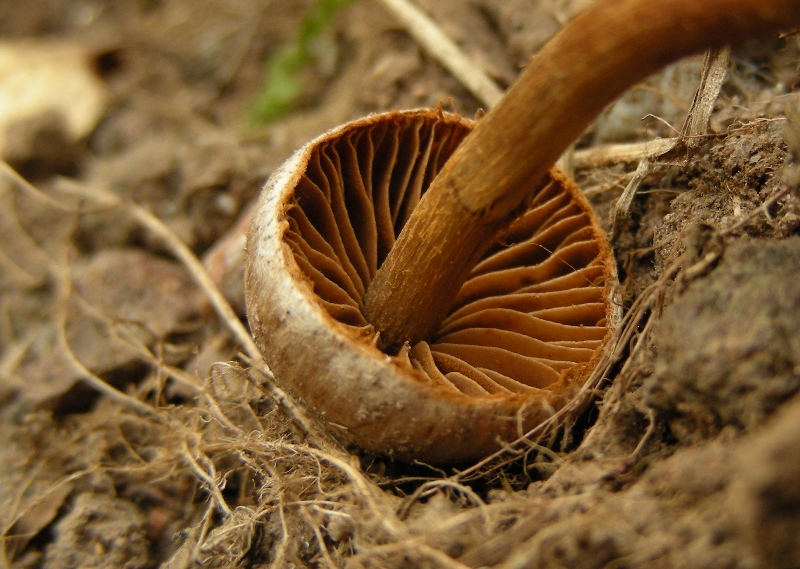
[690, 456]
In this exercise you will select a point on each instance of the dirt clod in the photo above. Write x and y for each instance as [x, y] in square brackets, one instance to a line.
[100, 531]
[727, 353]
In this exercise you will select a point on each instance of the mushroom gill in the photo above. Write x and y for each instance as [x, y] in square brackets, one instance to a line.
[519, 341]
[533, 308]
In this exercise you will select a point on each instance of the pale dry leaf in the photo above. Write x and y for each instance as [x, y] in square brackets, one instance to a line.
[49, 77]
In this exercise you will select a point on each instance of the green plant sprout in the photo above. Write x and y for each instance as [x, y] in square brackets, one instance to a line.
[283, 86]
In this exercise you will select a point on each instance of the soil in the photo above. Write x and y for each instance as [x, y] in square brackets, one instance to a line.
[689, 456]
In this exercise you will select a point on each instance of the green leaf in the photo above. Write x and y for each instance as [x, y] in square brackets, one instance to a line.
[282, 86]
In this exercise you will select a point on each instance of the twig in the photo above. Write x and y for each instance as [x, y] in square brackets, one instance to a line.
[425, 31]
[630, 152]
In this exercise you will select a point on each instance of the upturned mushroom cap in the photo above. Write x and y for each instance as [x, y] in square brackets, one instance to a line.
[523, 333]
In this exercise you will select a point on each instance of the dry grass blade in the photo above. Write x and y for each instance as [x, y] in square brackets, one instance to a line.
[715, 67]
[609, 154]
[425, 31]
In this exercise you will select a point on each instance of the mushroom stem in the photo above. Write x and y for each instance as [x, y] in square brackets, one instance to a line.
[606, 49]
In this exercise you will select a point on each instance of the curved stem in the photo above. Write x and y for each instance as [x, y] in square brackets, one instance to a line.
[500, 167]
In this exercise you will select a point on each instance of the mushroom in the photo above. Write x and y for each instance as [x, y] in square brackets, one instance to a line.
[433, 290]
[522, 330]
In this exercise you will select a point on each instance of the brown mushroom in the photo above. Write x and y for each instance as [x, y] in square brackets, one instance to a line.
[486, 326]
[523, 329]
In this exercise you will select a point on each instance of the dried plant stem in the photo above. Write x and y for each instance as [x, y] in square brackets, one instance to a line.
[100, 385]
[445, 51]
[184, 255]
[607, 154]
[322, 547]
[123, 333]
[603, 51]
[414, 550]
[209, 477]
[623, 205]
[280, 549]
[715, 67]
